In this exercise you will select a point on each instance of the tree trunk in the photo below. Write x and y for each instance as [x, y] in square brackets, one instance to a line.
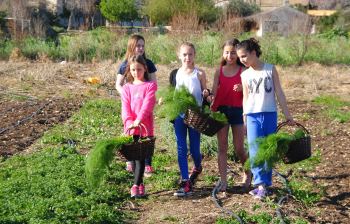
[70, 20]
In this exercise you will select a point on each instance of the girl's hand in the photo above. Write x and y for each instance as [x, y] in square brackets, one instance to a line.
[206, 93]
[290, 121]
[210, 98]
[135, 124]
[238, 87]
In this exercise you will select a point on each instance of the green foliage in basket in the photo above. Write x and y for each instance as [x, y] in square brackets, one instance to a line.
[175, 102]
[101, 156]
[218, 116]
[273, 148]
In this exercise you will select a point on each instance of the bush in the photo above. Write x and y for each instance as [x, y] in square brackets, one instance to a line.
[119, 10]
[160, 12]
[242, 8]
[6, 47]
[334, 33]
[100, 44]
[32, 48]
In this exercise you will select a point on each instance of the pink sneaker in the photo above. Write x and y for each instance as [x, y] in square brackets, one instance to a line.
[129, 167]
[148, 171]
[134, 191]
[142, 190]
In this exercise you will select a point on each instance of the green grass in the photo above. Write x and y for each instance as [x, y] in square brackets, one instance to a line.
[102, 44]
[261, 218]
[97, 119]
[49, 185]
[303, 189]
[166, 173]
[336, 109]
[210, 179]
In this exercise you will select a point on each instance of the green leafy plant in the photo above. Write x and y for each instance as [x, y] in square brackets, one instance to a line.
[215, 115]
[178, 101]
[119, 10]
[101, 156]
[273, 148]
[336, 109]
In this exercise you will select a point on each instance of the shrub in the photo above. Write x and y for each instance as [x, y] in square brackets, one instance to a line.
[242, 8]
[6, 47]
[160, 12]
[118, 10]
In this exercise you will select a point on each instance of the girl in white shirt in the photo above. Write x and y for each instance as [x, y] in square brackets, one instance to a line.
[261, 86]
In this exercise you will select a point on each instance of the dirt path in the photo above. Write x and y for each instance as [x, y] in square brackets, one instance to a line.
[332, 174]
[36, 96]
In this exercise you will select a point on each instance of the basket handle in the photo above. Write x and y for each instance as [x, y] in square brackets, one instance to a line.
[295, 123]
[140, 126]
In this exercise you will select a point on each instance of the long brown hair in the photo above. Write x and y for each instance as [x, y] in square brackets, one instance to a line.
[132, 43]
[136, 59]
[233, 42]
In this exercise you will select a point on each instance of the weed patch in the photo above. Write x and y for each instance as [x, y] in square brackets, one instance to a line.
[335, 109]
[49, 186]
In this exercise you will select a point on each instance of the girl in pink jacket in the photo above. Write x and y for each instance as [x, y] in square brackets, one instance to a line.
[138, 101]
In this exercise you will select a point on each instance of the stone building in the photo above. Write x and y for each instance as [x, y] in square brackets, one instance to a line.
[265, 5]
[283, 20]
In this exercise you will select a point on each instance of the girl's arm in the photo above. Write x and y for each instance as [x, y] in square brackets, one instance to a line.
[203, 80]
[148, 103]
[245, 98]
[280, 95]
[215, 85]
[119, 83]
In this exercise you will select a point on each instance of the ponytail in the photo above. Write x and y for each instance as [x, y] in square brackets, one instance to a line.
[250, 45]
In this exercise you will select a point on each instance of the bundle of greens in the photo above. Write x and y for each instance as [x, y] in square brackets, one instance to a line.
[175, 102]
[274, 147]
[101, 156]
[218, 116]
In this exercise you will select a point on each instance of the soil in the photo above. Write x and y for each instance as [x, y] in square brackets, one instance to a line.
[36, 96]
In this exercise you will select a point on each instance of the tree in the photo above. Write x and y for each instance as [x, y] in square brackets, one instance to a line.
[162, 11]
[2, 21]
[77, 9]
[241, 8]
[119, 10]
[159, 11]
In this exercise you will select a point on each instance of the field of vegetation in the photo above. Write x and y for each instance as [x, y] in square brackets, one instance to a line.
[43, 148]
[102, 44]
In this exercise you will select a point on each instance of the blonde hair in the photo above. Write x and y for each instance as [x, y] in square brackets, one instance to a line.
[132, 43]
[187, 44]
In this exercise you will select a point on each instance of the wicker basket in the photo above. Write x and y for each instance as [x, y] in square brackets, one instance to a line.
[299, 149]
[202, 122]
[139, 150]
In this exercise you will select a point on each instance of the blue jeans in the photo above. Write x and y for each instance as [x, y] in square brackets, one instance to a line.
[260, 125]
[181, 130]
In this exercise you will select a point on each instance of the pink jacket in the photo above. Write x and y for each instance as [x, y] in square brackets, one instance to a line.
[138, 103]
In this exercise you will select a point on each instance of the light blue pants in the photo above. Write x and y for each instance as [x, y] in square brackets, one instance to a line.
[260, 125]
[181, 130]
